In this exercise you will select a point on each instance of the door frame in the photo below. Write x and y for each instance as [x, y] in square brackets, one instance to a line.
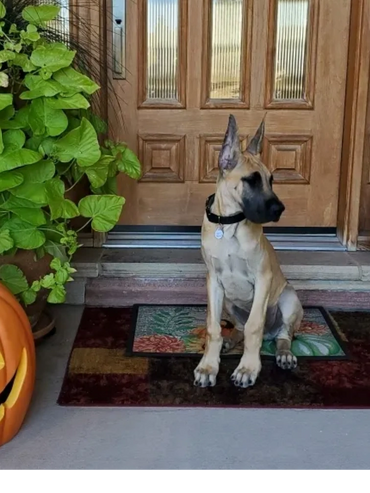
[357, 86]
[354, 124]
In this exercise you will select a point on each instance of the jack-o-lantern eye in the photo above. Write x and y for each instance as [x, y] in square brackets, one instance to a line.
[12, 390]
[2, 362]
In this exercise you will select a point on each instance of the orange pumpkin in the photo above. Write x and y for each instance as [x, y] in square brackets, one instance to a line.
[17, 365]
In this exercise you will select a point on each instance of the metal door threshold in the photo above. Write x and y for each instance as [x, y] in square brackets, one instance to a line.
[170, 240]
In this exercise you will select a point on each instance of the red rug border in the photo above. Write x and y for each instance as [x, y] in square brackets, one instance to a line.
[216, 406]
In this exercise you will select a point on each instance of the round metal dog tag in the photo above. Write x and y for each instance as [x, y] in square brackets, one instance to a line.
[219, 233]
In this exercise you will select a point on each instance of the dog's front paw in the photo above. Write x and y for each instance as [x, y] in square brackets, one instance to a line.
[247, 372]
[206, 372]
[286, 360]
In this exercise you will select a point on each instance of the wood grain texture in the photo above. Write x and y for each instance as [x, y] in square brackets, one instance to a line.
[288, 157]
[353, 151]
[364, 219]
[311, 192]
[162, 157]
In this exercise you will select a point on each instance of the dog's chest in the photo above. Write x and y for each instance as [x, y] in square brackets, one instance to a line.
[234, 273]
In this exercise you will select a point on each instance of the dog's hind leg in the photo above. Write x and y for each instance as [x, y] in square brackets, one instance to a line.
[239, 318]
[291, 318]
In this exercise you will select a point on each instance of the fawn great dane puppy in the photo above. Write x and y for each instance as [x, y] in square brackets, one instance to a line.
[244, 275]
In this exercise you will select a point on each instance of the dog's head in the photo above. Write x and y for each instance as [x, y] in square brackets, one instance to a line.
[245, 179]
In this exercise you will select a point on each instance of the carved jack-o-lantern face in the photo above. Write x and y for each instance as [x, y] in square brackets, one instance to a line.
[17, 365]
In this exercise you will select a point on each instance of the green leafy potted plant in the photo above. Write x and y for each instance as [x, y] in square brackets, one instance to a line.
[49, 143]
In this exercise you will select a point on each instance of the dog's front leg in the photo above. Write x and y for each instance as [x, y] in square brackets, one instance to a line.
[249, 367]
[206, 372]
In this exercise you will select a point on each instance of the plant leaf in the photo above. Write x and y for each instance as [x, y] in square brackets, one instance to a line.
[75, 81]
[104, 210]
[57, 295]
[4, 79]
[34, 142]
[6, 55]
[14, 139]
[80, 144]
[129, 164]
[13, 278]
[19, 121]
[52, 57]
[64, 208]
[10, 179]
[16, 158]
[61, 276]
[6, 241]
[5, 100]
[25, 235]
[28, 297]
[100, 125]
[28, 191]
[46, 88]
[40, 15]
[75, 102]
[2, 10]
[39, 172]
[42, 118]
[23, 61]
[25, 210]
[109, 188]
[7, 113]
[59, 206]
[55, 249]
[31, 33]
[45, 73]
[56, 264]
[98, 172]
[73, 122]
[47, 146]
[48, 281]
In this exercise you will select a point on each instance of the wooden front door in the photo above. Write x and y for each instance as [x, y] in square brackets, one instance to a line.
[190, 63]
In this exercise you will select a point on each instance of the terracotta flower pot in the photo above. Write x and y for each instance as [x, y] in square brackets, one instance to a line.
[33, 269]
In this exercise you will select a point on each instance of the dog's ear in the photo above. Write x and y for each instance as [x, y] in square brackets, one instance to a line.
[255, 145]
[230, 151]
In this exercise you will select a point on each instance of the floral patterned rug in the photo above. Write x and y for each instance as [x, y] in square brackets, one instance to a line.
[165, 330]
[101, 373]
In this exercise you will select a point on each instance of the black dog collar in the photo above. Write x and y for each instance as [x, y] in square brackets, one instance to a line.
[213, 218]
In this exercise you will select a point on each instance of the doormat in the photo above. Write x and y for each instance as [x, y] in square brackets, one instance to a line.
[100, 373]
[167, 330]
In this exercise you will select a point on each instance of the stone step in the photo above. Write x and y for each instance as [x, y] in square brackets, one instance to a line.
[188, 263]
[130, 291]
[109, 277]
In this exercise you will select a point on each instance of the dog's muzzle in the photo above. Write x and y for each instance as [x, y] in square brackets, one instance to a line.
[275, 210]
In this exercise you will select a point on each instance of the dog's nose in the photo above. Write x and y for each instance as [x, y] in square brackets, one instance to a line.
[276, 210]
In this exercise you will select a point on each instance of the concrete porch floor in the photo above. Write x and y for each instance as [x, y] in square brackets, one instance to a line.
[54, 437]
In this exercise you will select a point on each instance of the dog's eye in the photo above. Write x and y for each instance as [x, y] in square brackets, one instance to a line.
[253, 180]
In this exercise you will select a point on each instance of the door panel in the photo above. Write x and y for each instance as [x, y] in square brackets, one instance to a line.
[193, 62]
